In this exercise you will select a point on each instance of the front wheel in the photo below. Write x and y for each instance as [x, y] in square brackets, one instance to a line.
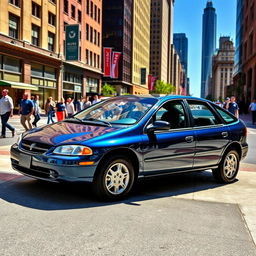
[228, 168]
[114, 179]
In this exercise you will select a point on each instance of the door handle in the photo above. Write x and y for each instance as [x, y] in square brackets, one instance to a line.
[189, 139]
[224, 134]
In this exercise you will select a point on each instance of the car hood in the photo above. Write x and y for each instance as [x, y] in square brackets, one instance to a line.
[67, 133]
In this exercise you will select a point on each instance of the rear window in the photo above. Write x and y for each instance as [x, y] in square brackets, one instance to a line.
[228, 118]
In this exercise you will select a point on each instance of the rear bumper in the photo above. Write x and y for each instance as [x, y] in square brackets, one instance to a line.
[42, 168]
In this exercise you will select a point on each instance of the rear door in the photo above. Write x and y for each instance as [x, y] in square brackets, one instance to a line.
[211, 135]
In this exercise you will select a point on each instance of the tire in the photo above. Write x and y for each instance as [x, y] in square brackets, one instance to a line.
[114, 179]
[228, 168]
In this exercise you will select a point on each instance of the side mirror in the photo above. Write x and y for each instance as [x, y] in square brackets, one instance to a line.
[158, 126]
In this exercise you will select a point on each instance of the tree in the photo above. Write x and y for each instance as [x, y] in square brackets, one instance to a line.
[163, 88]
[108, 90]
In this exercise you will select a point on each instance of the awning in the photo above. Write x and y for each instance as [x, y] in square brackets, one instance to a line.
[19, 85]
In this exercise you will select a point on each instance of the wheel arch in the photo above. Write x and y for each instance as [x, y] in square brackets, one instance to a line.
[127, 152]
[236, 146]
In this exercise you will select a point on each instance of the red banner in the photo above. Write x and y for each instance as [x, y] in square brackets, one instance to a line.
[114, 67]
[107, 52]
[151, 82]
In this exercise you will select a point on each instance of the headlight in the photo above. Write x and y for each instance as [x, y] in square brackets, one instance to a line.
[73, 150]
[19, 139]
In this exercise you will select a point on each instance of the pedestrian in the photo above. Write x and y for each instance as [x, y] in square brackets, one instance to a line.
[37, 116]
[232, 106]
[26, 109]
[252, 109]
[50, 109]
[61, 111]
[226, 102]
[79, 104]
[96, 99]
[70, 107]
[87, 103]
[6, 111]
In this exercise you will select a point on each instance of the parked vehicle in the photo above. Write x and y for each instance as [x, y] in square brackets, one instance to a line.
[115, 142]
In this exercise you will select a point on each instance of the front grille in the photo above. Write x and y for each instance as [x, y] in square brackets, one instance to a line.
[35, 147]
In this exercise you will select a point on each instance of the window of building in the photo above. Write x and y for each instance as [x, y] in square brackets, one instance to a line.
[95, 12]
[87, 56]
[87, 7]
[251, 43]
[90, 62]
[91, 34]
[91, 12]
[51, 19]
[65, 24]
[79, 16]
[66, 6]
[87, 31]
[53, 1]
[94, 36]
[98, 38]
[11, 64]
[73, 11]
[14, 23]
[15, 2]
[36, 10]
[94, 60]
[51, 39]
[99, 16]
[98, 61]
[35, 35]
[245, 50]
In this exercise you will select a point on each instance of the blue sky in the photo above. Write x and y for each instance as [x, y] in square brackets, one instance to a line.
[188, 19]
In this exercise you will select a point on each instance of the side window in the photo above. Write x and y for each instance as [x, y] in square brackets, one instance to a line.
[228, 118]
[202, 114]
[172, 112]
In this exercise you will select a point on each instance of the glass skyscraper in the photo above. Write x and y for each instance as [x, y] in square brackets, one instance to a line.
[208, 46]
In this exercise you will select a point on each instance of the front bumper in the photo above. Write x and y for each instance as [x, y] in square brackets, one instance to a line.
[49, 168]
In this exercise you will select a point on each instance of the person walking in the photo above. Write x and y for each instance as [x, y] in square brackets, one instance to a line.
[70, 107]
[87, 103]
[37, 116]
[252, 109]
[232, 106]
[61, 111]
[96, 99]
[50, 109]
[6, 111]
[26, 109]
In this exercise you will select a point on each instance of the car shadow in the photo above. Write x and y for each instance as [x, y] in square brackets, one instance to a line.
[47, 196]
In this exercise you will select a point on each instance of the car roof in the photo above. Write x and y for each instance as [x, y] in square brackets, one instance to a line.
[165, 97]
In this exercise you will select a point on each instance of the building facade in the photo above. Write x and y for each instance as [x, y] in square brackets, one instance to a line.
[223, 69]
[160, 34]
[180, 42]
[208, 46]
[117, 34]
[140, 46]
[29, 40]
[32, 48]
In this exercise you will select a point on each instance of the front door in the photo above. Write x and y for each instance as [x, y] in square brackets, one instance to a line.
[171, 150]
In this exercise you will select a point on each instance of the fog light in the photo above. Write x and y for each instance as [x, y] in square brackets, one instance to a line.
[53, 174]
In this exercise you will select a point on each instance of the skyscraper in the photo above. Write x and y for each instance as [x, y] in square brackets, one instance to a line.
[208, 46]
[180, 42]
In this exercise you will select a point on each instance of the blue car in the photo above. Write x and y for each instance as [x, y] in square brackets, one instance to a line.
[117, 141]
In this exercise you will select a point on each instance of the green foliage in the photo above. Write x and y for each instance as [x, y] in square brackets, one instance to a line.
[163, 88]
[108, 90]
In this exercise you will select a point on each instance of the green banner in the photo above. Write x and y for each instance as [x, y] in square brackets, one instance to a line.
[72, 42]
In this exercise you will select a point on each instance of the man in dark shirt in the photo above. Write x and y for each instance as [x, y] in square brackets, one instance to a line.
[26, 110]
[232, 106]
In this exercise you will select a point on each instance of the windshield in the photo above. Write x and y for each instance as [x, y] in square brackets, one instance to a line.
[119, 110]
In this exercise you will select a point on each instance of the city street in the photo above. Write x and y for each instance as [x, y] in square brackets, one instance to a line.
[187, 214]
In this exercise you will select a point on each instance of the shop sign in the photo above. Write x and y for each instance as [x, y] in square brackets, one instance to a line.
[72, 42]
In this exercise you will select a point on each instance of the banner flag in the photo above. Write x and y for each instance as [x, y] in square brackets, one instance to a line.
[114, 67]
[72, 42]
[107, 52]
[151, 82]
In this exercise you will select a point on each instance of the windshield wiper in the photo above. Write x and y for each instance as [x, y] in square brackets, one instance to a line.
[99, 121]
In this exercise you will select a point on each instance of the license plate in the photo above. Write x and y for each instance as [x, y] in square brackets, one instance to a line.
[25, 161]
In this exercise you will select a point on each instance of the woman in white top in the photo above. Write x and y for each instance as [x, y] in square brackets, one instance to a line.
[70, 107]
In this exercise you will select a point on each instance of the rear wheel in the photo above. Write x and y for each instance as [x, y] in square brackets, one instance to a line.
[228, 168]
[114, 179]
